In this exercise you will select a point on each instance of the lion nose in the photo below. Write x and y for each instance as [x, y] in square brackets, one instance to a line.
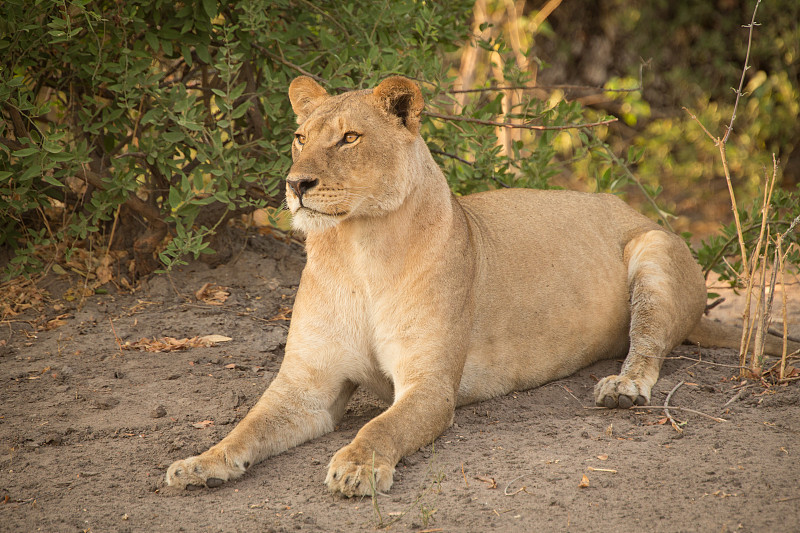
[301, 185]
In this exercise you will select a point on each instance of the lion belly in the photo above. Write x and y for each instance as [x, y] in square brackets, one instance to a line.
[551, 289]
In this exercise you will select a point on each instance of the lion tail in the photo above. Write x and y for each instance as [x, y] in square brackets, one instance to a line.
[710, 333]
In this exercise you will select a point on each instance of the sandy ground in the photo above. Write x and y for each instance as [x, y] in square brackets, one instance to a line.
[87, 430]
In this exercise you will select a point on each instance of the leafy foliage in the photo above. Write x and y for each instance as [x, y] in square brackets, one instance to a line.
[146, 126]
[152, 124]
[156, 122]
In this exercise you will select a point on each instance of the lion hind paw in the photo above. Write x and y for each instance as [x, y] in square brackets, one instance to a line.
[620, 391]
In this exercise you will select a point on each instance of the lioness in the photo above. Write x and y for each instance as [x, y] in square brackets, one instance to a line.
[433, 301]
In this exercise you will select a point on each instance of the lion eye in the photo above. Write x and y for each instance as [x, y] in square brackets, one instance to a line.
[301, 139]
[350, 138]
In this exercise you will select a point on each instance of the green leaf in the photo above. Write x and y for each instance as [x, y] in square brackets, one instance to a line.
[237, 91]
[203, 54]
[187, 54]
[240, 110]
[152, 41]
[173, 136]
[25, 152]
[174, 197]
[52, 181]
[62, 157]
[210, 7]
[52, 147]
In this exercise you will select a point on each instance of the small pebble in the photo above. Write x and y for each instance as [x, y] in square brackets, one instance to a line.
[158, 412]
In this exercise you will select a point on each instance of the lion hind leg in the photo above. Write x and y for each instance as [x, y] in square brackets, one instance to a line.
[667, 293]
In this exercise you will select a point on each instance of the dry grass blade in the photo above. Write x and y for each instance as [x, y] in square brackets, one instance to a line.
[490, 481]
[593, 469]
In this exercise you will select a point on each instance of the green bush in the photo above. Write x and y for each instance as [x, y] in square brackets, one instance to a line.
[155, 122]
[145, 126]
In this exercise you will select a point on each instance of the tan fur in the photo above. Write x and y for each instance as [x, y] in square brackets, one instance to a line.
[433, 301]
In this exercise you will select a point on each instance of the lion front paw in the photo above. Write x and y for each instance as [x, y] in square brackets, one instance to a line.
[207, 470]
[356, 471]
[620, 391]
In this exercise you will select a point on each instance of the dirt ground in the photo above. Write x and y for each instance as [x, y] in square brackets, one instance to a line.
[87, 430]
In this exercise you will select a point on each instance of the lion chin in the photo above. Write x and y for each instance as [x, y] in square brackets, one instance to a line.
[307, 220]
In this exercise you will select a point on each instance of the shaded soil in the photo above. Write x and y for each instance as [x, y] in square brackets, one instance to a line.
[87, 431]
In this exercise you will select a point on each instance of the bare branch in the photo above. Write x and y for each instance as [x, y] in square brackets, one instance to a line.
[744, 70]
[452, 156]
[534, 87]
[526, 126]
[566, 87]
[289, 64]
[12, 144]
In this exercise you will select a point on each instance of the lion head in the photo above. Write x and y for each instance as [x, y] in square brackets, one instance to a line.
[353, 154]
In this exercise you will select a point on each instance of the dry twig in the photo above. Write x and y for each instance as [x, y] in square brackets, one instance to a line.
[526, 126]
[672, 407]
[666, 405]
[508, 485]
[736, 396]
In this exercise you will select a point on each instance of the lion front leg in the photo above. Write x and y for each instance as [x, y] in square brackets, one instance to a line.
[292, 410]
[415, 419]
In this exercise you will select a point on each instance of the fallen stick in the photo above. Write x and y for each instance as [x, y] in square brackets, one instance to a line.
[674, 408]
[736, 396]
[666, 406]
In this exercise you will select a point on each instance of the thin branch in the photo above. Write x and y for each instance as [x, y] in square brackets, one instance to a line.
[684, 409]
[12, 144]
[744, 70]
[327, 15]
[632, 176]
[534, 87]
[501, 182]
[566, 87]
[508, 485]
[134, 202]
[521, 126]
[736, 396]
[289, 64]
[452, 156]
[753, 225]
[657, 407]
[713, 304]
[685, 358]
[721, 145]
[791, 227]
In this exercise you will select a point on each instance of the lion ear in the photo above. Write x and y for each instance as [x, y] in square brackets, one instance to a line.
[306, 95]
[401, 97]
